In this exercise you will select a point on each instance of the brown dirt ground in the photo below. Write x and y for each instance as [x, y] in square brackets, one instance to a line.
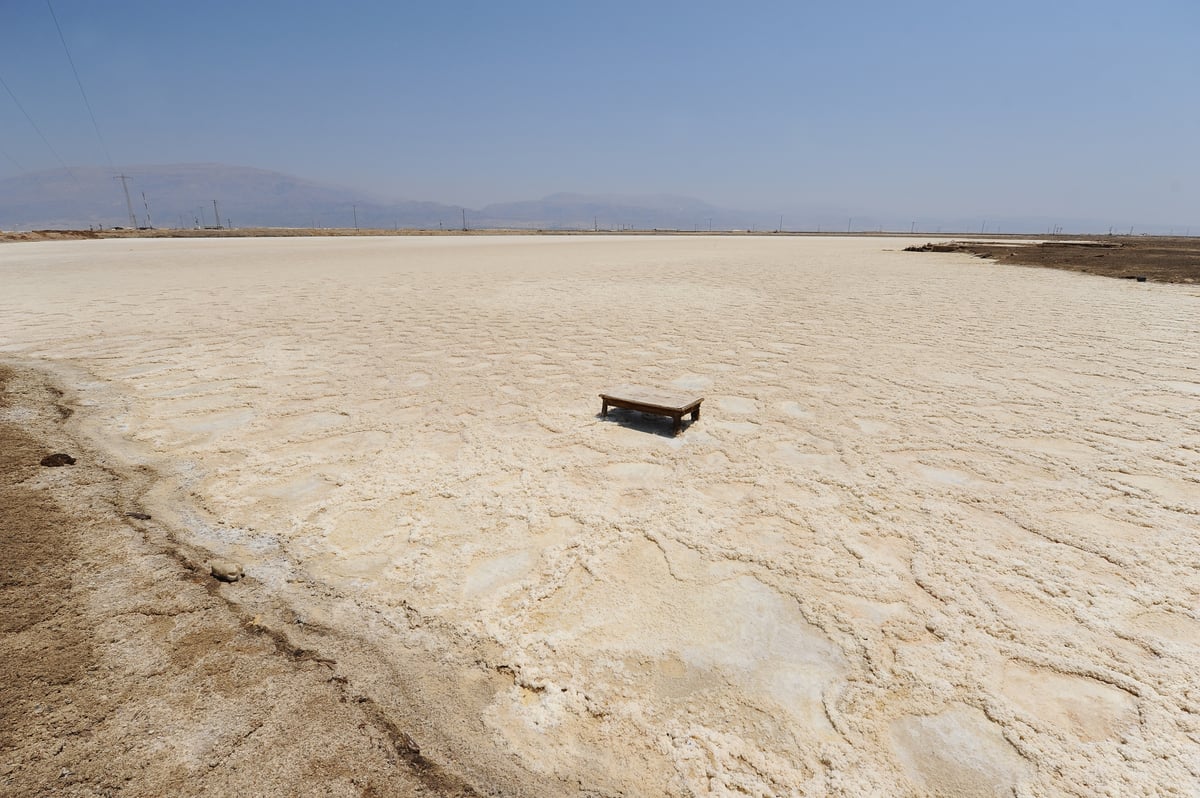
[1159, 259]
[124, 668]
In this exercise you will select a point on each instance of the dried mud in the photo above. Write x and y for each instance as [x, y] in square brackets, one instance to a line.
[124, 670]
[933, 535]
[1161, 259]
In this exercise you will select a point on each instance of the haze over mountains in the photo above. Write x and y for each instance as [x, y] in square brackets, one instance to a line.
[182, 195]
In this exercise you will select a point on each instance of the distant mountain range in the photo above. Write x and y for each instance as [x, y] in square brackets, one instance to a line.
[181, 195]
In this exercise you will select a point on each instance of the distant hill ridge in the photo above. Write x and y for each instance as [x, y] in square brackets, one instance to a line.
[181, 195]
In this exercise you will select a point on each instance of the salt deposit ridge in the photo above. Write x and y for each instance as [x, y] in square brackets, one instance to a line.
[935, 532]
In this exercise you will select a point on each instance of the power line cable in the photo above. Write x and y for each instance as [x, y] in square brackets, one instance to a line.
[79, 82]
[45, 140]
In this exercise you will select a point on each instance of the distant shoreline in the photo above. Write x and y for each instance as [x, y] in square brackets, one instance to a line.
[292, 232]
[1163, 259]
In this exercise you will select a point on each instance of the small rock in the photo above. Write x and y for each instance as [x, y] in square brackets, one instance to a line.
[138, 516]
[57, 459]
[226, 570]
[408, 745]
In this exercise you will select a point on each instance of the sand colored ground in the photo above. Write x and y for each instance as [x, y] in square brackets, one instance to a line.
[124, 672]
[934, 534]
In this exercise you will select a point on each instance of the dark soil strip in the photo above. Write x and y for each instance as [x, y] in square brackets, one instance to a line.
[1157, 259]
[43, 646]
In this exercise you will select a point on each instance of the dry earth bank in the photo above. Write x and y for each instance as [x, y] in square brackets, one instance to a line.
[1154, 258]
[126, 669]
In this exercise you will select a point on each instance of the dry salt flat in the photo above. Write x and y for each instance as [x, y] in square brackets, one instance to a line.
[935, 532]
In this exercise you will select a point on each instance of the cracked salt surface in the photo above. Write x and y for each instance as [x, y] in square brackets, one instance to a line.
[934, 532]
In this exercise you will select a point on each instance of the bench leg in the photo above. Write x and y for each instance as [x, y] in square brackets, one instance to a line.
[604, 410]
[678, 423]
[696, 414]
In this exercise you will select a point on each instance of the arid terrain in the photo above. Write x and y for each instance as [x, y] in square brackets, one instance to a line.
[1152, 258]
[934, 533]
[126, 668]
[1168, 259]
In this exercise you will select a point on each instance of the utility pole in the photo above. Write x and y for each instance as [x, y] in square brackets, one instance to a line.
[216, 215]
[146, 202]
[128, 202]
[354, 209]
[464, 213]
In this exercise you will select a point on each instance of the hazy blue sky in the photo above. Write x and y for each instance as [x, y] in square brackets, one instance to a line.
[1046, 107]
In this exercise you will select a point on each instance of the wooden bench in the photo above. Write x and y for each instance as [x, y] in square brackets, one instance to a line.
[649, 400]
